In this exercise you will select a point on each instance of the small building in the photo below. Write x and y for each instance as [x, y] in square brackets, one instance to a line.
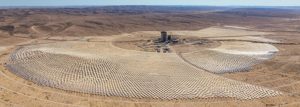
[169, 38]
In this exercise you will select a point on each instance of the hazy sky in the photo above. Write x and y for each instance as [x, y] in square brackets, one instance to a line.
[150, 2]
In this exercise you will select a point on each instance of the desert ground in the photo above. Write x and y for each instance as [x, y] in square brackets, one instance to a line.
[115, 57]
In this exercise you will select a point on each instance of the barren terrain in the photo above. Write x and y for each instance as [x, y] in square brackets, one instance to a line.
[107, 56]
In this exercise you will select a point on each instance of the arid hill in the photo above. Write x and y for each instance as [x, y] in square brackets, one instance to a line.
[91, 21]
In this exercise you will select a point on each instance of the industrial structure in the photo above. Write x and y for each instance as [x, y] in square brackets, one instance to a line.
[164, 36]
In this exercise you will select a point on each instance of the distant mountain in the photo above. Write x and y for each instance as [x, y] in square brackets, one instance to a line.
[130, 7]
[264, 11]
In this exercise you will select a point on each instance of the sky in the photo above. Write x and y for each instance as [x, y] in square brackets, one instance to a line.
[150, 2]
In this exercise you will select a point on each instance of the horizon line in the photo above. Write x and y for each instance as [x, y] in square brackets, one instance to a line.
[152, 5]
